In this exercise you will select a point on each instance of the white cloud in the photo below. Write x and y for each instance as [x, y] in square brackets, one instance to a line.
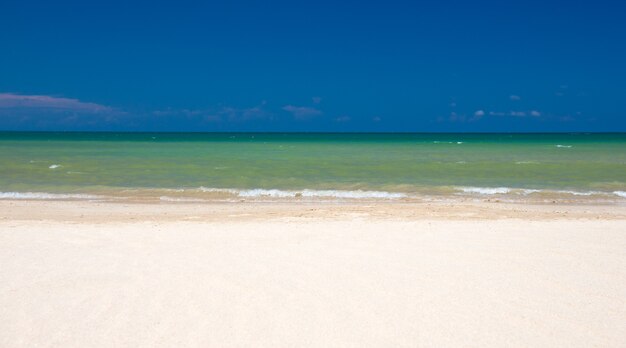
[45, 102]
[454, 117]
[226, 113]
[533, 113]
[302, 112]
[316, 100]
[478, 114]
[493, 113]
[514, 97]
[343, 119]
[19, 111]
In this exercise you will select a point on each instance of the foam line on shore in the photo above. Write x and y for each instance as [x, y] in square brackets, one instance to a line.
[45, 195]
[276, 193]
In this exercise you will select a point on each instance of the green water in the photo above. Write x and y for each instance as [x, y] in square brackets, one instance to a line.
[431, 163]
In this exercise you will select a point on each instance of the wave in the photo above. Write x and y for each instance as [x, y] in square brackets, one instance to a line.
[519, 191]
[486, 190]
[581, 193]
[55, 166]
[181, 199]
[564, 146]
[44, 195]
[361, 194]
[320, 194]
[307, 193]
[497, 190]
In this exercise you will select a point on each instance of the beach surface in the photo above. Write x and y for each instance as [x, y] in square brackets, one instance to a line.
[365, 274]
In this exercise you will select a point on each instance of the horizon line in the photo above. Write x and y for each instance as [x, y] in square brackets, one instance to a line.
[307, 132]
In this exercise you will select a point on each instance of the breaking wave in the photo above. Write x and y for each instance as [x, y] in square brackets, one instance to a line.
[485, 190]
[44, 195]
[204, 194]
[519, 191]
[275, 193]
[181, 199]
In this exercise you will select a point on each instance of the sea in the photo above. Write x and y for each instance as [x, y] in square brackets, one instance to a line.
[311, 167]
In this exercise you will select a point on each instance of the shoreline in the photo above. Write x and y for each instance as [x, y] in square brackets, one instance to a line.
[85, 211]
[402, 194]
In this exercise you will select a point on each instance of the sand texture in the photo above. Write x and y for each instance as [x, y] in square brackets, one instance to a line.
[80, 274]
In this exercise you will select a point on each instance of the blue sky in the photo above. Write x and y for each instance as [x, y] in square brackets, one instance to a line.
[313, 66]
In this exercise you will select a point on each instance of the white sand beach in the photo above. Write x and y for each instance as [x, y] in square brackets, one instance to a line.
[81, 274]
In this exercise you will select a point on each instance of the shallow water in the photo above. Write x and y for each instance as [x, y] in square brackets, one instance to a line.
[272, 165]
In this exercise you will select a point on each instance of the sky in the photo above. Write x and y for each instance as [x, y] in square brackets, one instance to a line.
[329, 66]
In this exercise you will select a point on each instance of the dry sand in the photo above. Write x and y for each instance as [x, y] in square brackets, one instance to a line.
[80, 274]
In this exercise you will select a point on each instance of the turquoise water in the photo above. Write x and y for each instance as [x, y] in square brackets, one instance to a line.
[252, 164]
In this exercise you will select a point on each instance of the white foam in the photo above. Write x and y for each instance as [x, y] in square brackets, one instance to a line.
[181, 200]
[218, 190]
[360, 194]
[44, 195]
[55, 166]
[564, 146]
[497, 190]
[505, 190]
[486, 190]
[353, 194]
[274, 193]
[265, 193]
[579, 193]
